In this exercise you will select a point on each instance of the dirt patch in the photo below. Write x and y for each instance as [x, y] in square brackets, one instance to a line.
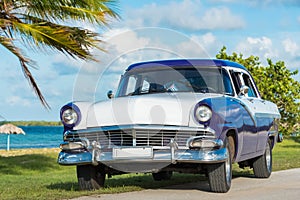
[18, 152]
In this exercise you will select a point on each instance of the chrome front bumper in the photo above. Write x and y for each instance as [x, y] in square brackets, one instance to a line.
[165, 157]
[177, 145]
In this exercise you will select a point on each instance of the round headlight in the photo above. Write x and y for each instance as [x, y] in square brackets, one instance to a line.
[69, 116]
[203, 113]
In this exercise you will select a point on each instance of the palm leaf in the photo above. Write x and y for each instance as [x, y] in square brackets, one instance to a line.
[42, 23]
[4, 23]
[98, 17]
[68, 40]
[91, 10]
[25, 62]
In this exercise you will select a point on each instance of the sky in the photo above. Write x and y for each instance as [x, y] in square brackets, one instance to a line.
[150, 30]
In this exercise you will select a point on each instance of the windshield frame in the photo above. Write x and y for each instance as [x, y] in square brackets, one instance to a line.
[226, 86]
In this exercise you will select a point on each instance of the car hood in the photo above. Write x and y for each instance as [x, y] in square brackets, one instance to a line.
[157, 109]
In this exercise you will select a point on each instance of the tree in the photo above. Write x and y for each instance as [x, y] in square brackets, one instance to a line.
[276, 84]
[42, 23]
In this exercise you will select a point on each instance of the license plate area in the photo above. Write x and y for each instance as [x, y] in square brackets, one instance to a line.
[133, 153]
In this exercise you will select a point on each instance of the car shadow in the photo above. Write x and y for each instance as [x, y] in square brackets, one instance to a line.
[144, 181]
[198, 182]
[202, 185]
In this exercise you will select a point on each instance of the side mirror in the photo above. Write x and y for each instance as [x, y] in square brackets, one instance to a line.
[243, 90]
[110, 94]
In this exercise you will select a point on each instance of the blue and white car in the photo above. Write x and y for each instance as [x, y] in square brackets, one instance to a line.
[187, 115]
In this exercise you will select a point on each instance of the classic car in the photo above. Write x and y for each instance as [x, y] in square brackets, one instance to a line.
[185, 115]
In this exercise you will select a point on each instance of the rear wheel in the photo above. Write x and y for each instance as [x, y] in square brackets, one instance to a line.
[90, 177]
[262, 166]
[164, 175]
[220, 174]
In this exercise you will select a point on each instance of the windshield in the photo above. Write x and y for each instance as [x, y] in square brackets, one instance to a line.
[181, 79]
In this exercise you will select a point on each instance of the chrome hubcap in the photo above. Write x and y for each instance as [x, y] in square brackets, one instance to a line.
[228, 169]
[268, 157]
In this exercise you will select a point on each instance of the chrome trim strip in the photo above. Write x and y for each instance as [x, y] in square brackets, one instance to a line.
[173, 156]
[141, 126]
[203, 137]
[137, 136]
[68, 158]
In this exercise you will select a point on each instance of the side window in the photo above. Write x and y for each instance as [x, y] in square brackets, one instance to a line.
[248, 82]
[145, 87]
[227, 83]
[236, 80]
[131, 85]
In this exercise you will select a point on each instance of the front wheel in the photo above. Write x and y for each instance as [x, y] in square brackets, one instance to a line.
[90, 177]
[220, 175]
[262, 166]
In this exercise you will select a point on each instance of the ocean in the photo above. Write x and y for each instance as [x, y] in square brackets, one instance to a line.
[35, 137]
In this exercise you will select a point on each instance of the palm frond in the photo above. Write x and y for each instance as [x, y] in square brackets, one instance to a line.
[42, 23]
[93, 11]
[4, 23]
[98, 17]
[25, 62]
[68, 40]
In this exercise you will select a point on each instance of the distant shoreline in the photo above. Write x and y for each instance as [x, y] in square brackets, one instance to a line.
[32, 123]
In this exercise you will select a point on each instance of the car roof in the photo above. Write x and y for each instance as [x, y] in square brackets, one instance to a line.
[184, 63]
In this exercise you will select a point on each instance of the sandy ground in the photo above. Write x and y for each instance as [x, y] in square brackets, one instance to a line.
[19, 152]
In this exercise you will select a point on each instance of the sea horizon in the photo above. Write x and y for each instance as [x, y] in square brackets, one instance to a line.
[35, 137]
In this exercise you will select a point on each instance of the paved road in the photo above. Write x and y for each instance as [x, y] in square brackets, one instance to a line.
[282, 185]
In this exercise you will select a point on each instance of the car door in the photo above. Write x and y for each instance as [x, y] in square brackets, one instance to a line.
[248, 101]
[260, 107]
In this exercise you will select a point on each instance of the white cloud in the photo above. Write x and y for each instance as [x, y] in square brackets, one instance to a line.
[200, 46]
[206, 40]
[17, 100]
[125, 40]
[116, 42]
[262, 3]
[125, 47]
[277, 49]
[290, 47]
[219, 18]
[188, 15]
[261, 47]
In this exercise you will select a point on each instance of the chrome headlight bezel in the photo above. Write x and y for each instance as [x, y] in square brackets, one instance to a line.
[70, 115]
[203, 113]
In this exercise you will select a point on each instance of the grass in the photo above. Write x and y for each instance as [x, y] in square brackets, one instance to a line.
[34, 174]
[286, 155]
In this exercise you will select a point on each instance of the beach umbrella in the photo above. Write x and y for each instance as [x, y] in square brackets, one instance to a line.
[10, 129]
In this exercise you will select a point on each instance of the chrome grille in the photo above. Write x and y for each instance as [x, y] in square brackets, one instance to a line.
[136, 137]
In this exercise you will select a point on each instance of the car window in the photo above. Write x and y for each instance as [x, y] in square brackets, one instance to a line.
[182, 79]
[145, 87]
[236, 80]
[227, 83]
[131, 85]
[248, 82]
